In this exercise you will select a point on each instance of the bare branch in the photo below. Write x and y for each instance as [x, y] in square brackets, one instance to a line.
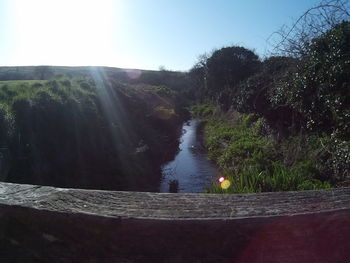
[294, 40]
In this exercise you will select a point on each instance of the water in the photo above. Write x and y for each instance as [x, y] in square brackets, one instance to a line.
[191, 166]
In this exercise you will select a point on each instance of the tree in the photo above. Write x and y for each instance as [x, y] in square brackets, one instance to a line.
[198, 75]
[320, 87]
[295, 40]
[229, 65]
[226, 68]
[215, 77]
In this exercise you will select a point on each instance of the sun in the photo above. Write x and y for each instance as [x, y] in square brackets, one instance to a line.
[66, 32]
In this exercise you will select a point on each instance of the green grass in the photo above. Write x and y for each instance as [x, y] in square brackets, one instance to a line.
[16, 82]
[59, 90]
[202, 110]
[163, 91]
[164, 113]
[254, 162]
[280, 178]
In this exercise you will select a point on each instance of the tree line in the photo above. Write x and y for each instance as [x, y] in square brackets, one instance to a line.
[293, 93]
[299, 96]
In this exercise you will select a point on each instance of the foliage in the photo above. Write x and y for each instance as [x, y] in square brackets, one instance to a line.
[164, 113]
[261, 94]
[297, 124]
[232, 143]
[333, 157]
[251, 180]
[294, 40]
[46, 117]
[163, 90]
[256, 91]
[319, 89]
[202, 110]
[254, 162]
[217, 76]
[84, 133]
[229, 65]
[198, 78]
[292, 95]
[6, 124]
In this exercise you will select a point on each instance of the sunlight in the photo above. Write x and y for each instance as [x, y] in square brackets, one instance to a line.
[64, 32]
[225, 184]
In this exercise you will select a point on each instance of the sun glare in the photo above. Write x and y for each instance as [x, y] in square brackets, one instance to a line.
[66, 32]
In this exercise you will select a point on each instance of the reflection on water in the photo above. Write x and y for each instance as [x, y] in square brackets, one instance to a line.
[191, 166]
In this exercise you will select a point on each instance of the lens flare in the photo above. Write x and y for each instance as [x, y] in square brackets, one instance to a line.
[225, 184]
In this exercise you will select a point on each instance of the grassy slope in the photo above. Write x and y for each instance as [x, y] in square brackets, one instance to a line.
[80, 132]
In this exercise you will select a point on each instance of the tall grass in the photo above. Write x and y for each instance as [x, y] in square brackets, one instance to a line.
[251, 180]
[254, 162]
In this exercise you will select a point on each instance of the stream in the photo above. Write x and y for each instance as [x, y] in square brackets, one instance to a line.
[191, 167]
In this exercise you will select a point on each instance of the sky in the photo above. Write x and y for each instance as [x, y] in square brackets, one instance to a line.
[142, 34]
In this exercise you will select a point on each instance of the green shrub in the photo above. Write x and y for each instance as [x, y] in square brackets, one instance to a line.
[256, 163]
[325, 157]
[231, 143]
[164, 113]
[336, 158]
[319, 89]
[202, 110]
[164, 91]
[66, 83]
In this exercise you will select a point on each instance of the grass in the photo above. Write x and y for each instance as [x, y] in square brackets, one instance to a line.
[68, 132]
[281, 178]
[254, 162]
[59, 90]
[202, 110]
[164, 113]
[16, 82]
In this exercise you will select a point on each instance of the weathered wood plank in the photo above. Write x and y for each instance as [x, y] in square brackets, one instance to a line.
[47, 224]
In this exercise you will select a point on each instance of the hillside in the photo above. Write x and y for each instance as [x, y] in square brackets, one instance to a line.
[87, 127]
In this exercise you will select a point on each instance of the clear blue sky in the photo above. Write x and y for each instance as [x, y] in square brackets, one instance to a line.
[141, 34]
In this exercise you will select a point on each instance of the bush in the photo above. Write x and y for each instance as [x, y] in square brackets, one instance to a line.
[85, 86]
[66, 83]
[255, 162]
[164, 113]
[261, 94]
[164, 91]
[233, 144]
[320, 87]
[202, 110]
